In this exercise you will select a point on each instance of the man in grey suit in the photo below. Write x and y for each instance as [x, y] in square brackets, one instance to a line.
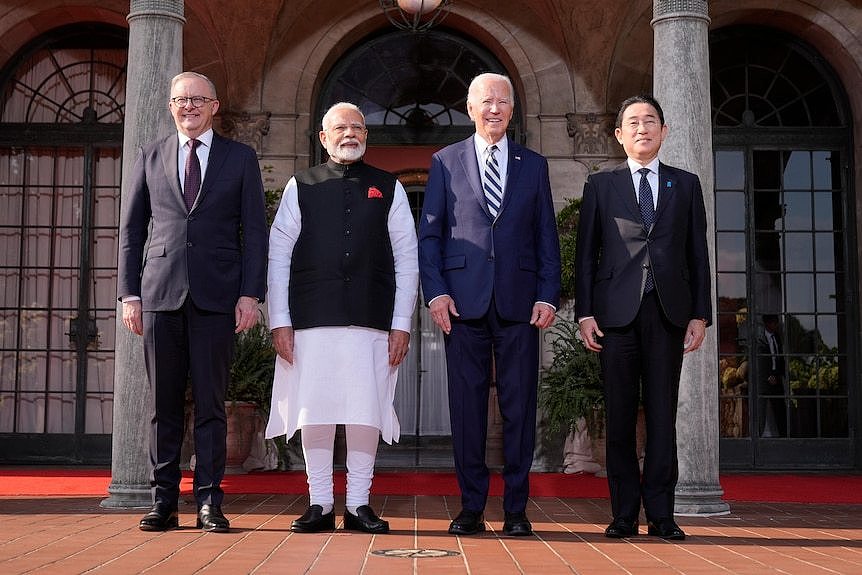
[643, 298]
[192, 270]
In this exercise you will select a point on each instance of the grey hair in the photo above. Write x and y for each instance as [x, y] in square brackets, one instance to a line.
[491, 76]
[184, 75]
[327, 117]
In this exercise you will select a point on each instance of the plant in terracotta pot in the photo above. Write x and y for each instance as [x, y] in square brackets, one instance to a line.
[248, 400]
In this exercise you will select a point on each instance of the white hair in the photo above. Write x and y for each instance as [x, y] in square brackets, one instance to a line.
[481, 78]
[185, 75]
[327, 117]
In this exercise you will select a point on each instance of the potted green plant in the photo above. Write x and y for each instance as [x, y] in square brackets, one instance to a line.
[571, 387]
[248, 399]
[570, 391]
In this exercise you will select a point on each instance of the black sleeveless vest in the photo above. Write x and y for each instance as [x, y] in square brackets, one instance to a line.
[342, 271]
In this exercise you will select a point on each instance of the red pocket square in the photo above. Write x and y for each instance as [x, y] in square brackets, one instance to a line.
[373, 192]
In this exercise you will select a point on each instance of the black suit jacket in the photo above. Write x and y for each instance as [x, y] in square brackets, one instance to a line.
[215, 253]
[614, 248]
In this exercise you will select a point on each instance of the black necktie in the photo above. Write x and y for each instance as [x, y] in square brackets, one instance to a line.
[192, 181]
[648, 216]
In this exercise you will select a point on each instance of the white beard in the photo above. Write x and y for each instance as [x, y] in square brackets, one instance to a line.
[345, 154]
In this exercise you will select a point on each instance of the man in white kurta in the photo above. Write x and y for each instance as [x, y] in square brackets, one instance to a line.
[341, 325]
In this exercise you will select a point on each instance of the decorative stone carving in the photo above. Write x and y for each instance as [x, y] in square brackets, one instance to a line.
[246, 127]
[593, 134]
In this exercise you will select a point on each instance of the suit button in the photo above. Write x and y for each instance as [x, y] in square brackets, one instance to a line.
[189, 244]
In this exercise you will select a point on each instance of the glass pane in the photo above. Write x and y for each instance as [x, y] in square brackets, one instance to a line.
[31, 413]
[827, 327]
[729, 170]
[730, 251]
[833, 417]
[800, 293]
[733, 402]
[799, 252]
[7, 411]
[802, 334]
[825, 247]
[797, 212]
[766, 170]
[767, 251]
[826, 296]
[731, 286]
[803, 418]
[827, 211]
[797, 170]
[730, 210]
[827, 170]
[61, 413]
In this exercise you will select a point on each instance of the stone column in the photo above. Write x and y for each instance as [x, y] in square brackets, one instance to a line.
[681, 85]
[155, 56]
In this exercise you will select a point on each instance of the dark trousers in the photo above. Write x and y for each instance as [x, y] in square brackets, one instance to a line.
[515, 348]
[643, 358]
[182, 346]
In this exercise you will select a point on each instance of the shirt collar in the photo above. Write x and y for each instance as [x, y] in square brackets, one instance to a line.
[481, 145]
[206, 138]
[635, 166]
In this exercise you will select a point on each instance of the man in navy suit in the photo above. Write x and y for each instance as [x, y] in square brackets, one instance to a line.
[643, 298]
[489, 260]
[192, 269]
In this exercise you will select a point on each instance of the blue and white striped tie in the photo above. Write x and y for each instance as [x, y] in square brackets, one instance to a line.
[493, 186]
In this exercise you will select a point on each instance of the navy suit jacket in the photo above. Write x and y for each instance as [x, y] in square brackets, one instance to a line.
[215, 253]
[613, 248]
[469, 255]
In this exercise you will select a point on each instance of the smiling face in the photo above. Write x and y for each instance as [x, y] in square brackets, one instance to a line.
[490, 105]
[641, 132]
[344, 135]
[190, 120]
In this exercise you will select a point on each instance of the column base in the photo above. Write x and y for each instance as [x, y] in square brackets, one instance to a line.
[700, 502]
[128, 497]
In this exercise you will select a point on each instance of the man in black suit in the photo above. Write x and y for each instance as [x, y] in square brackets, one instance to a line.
[643, 298]
[489, 259]
[771, 391]
[192, 270]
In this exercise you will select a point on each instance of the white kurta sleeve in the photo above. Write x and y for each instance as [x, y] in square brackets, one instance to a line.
[282, 238]
[402, 236]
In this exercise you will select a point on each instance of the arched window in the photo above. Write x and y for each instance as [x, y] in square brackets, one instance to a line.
[412, 88]
[783, 211]
[61, 131]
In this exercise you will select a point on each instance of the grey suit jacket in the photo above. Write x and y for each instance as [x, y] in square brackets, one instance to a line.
[215, 253]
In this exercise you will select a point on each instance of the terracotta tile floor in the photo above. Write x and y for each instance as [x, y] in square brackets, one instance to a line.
[75, 535]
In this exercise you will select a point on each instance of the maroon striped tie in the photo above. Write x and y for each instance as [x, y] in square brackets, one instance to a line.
[192, 181]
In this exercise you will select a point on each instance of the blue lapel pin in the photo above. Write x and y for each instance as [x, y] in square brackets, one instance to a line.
[667, 184]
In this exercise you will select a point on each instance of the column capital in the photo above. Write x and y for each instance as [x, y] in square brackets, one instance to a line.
[673, 9]
[593, 133]
[245, 127]
[157, 8]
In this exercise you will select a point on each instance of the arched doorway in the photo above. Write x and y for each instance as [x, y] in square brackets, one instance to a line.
[412, 89]
[784, 237]
[61, 132]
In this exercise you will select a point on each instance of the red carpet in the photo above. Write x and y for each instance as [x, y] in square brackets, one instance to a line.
[798, 488]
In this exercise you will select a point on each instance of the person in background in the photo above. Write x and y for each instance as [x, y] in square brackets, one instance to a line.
[192, 270]
[490, 267]
[343, 277]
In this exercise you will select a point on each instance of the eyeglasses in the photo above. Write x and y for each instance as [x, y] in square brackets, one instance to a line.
[197, 101]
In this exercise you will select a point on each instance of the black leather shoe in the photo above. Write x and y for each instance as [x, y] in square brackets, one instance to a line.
[517, 525]
[620, 528]
[210, 518]
[666, 529]
[314, 521]
[467, 523]
[159, 519]
[365, 520]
